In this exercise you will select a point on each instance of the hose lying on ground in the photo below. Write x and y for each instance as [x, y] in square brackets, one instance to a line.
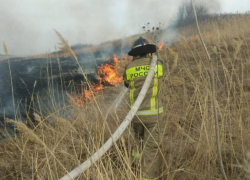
[108, 144]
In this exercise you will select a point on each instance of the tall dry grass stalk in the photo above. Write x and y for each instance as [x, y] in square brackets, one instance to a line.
[11, 82]
[213, 96]
[247, 165]
[119, 131]
[188, 145]
[64, 46]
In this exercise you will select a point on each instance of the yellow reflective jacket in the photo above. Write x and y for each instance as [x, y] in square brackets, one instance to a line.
[134, 78]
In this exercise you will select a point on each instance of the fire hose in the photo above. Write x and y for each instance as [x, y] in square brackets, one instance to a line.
[108, 144]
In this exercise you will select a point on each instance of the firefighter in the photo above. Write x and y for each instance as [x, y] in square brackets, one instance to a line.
[146, 122]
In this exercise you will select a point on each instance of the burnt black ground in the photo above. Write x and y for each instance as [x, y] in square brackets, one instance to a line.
[47, 74]
[54, 78]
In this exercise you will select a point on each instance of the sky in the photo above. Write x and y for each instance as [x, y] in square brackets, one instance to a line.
[27, 26]
[232, 6]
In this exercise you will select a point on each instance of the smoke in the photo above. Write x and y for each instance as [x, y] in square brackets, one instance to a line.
[213, 6]
[27, 26]
[27, 29]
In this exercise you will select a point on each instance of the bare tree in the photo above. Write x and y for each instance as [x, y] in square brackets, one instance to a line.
[185, 14]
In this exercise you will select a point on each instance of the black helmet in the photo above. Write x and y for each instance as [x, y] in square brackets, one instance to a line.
[142, 46]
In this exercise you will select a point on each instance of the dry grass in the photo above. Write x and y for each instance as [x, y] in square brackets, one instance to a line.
[53, 145]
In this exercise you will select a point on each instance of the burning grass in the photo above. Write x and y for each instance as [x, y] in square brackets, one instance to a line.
[107, 75]
[53, 145]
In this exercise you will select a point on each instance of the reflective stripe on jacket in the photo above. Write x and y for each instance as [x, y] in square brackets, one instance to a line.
[135, 75]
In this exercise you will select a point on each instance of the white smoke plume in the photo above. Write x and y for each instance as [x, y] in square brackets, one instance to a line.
[27, 26]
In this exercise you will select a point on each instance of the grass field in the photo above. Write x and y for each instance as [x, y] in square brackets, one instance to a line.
[53, 145]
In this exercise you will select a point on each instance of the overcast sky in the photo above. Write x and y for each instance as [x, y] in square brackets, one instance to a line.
[235, 5]
[27, 25]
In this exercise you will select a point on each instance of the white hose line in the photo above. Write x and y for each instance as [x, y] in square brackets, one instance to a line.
[108, 144]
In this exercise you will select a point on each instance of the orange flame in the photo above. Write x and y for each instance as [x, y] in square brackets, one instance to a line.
[107, 73]
[209, 35]
[81, 100]
[194, 38]
[115, 60]
[197, 37]
[160, 45]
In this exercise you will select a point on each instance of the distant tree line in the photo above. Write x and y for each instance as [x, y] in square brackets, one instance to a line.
[185, 15]
[80, 46]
